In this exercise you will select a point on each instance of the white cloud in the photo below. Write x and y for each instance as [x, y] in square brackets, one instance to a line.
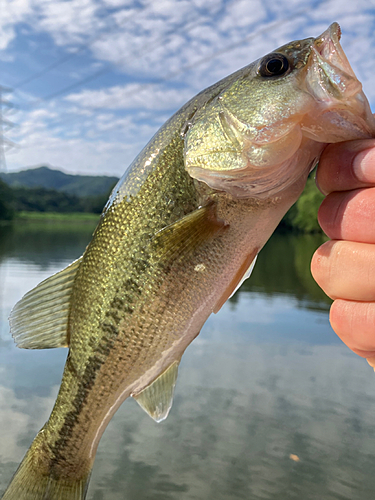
[132, 96]
[42, 113]
[6, 35]
[68, 22]
[116, 3]
[12, 13]
[188, 44]
[76, 154]
[243, 13]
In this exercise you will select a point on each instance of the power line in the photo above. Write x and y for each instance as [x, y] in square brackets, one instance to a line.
[186, 67]
[184, 26]
[74, 53]
[5, 125]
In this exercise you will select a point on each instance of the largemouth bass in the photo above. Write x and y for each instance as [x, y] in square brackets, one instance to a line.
[178, 235]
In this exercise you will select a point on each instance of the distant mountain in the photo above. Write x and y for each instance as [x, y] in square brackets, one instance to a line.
[77, 185]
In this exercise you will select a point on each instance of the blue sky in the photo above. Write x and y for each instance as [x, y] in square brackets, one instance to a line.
[94, 79]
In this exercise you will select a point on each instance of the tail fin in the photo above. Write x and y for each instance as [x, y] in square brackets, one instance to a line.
[29, 483]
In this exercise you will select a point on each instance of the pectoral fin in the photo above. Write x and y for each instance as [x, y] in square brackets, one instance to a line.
[188, 233]
[157, 398]
[245, 276]
[40, 319]
[243, 273]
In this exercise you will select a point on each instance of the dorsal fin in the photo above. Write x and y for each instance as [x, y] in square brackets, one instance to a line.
[40, 319]
[157, 398]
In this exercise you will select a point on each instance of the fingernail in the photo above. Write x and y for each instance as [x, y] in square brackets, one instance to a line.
[317, 185]
[371, 362]
[364, 165]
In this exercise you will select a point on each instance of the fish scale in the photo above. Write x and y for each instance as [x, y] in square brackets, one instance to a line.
[180, 232]
[97, 336]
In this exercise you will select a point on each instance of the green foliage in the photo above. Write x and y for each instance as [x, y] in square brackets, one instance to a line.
[6, 201]
[95, 204]
[46, 190]
[63, 193]
[76, 185]
[49, 200]
[45, 200]
[57, 217]
[302, 216]
[307, 208]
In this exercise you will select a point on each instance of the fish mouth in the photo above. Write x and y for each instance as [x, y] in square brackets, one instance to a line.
[343, 112]
[334, 74]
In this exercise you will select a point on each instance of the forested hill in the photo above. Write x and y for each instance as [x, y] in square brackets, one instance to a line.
[45, 190]
[48, 178]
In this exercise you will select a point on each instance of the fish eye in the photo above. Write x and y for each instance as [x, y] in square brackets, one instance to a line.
[273, 65]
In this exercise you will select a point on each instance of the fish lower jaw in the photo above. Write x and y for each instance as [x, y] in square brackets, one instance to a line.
[341, 122]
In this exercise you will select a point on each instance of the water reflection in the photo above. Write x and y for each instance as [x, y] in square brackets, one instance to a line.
[266, 378]
[43, 244]
[285, 269]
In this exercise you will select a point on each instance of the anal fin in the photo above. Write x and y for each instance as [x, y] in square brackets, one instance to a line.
[157, 398]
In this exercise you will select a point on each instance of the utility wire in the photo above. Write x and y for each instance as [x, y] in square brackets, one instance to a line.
[199, 62]
[5, 125]
[75, 51]
[185, 27]
[196, 63]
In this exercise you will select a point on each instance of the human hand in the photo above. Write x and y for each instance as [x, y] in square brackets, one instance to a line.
[345, 267]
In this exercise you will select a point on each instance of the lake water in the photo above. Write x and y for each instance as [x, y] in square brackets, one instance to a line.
[269, 403]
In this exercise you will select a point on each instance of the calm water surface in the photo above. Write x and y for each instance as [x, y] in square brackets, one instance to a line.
[266, 380]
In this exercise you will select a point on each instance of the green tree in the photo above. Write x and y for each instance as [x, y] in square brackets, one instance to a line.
[302, 217]
[307, 205]
[6, 202]
[45, 200]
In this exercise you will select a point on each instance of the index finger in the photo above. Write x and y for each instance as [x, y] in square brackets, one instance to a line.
[347, 165]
